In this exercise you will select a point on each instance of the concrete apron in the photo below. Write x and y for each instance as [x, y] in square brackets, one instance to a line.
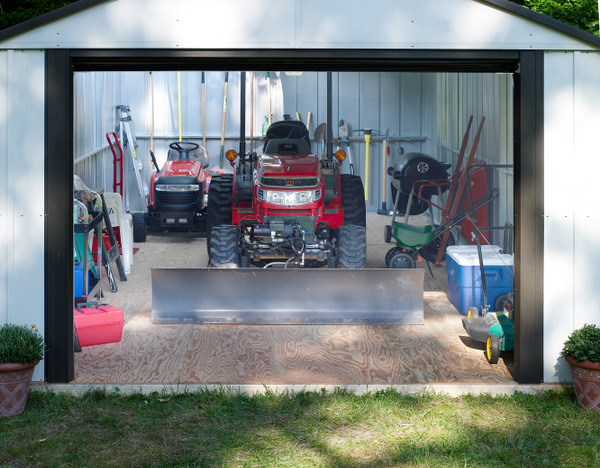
[442, 389]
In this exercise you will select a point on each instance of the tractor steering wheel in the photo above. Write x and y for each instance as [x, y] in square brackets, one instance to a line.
[184, 152]
[177, 146]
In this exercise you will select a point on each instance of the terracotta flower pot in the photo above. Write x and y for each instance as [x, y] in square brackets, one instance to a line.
[586, 382]
[14, 386]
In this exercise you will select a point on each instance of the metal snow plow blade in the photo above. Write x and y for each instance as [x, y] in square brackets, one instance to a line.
[292, 296]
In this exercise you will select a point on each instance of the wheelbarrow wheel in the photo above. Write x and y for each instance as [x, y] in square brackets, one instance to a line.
[492, 348]
[430, 251]
[402, 260]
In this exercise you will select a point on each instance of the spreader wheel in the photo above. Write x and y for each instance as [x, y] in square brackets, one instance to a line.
[224, 252]
[492, 348]
[402, 260]
[387, 233]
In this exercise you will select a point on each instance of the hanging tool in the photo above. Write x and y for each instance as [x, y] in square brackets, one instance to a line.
[308, 121]
[269, 97]
[343, 135]
[298, 117]
[367, 132]
[151, 106]
[251, 109]
[321, 136]
[386, 153]
[117, 161]
[203, 111]
[222, 155]
[179, 103]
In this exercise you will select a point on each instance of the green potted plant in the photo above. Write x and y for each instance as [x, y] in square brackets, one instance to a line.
[21, 348]
[582, 352]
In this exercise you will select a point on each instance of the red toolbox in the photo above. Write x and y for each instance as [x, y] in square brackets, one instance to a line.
[98, 323]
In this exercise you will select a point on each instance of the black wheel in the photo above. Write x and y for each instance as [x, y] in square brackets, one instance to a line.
[430, 251]
[402, 260]
[503, 301]
[218, 209]
[492, 349]
[224, 252]
[387, 233]
[353, 200]
[352, 247]
[139, 227]
[388, 256]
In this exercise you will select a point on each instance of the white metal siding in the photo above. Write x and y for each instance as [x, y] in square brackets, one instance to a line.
[22, 189]
[303, 24]
[571, 201]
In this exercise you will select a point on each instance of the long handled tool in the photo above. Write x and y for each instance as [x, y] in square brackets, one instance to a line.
[222, 155]
[308, 121]
[386, 152]
[179, 103]
[367, 132]
[150, 95]
[251, 109]
[343, 135]
[203, 112]
[269, 97]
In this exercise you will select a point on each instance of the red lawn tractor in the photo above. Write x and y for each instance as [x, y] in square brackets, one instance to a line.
[177, 192]
[286, 207]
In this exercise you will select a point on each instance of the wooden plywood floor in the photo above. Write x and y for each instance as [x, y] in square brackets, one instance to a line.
[437, 352]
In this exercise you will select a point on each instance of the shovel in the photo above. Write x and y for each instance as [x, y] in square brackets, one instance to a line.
[343, 134]
[321, 135]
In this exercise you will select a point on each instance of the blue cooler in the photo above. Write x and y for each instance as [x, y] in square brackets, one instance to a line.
[464, 275]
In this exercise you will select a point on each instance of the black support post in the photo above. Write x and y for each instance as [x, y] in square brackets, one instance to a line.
[329, 151]
[529, 226]
[242, 114]
[58, 209]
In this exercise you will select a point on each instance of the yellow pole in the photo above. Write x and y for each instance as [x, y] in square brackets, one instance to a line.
[179, 102]
[367, 141]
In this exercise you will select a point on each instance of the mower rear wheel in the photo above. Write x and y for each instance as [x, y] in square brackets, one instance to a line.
[353, 200]
[402, 260]
[430, 251]
[139, 227]
[352, 247]
[492, 348]
[218, 209]
[224, 252]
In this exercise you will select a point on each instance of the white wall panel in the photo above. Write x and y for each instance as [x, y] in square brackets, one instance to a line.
[571, 201]
[265, 24]
[21, 189]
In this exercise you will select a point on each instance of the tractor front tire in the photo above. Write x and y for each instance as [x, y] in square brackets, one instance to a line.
[353, 200]
[224, 251]
[218, 209]
[140, 227]
[352, 247]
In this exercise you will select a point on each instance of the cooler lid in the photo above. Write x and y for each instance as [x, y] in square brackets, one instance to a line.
[467, 255]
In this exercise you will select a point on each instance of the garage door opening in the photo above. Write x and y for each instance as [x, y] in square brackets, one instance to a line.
[425, 113]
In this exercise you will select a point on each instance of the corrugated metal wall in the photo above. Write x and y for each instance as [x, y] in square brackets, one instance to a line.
[571, 201]
[460, 95]
[22, 189]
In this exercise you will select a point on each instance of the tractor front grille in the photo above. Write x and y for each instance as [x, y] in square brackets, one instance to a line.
[176, 198]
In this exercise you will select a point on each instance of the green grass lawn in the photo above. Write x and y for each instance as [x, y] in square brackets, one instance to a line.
[309, 429]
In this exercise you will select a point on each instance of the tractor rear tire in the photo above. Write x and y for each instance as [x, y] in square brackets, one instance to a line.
[353, 200]
[352, 247]
[139, 227]
[224, 251]
[218, 209]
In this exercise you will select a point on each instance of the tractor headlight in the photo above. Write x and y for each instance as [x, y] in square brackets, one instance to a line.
[289, 198]
[177, 188]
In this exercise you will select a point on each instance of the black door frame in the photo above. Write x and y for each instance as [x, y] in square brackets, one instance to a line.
[527, 66]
